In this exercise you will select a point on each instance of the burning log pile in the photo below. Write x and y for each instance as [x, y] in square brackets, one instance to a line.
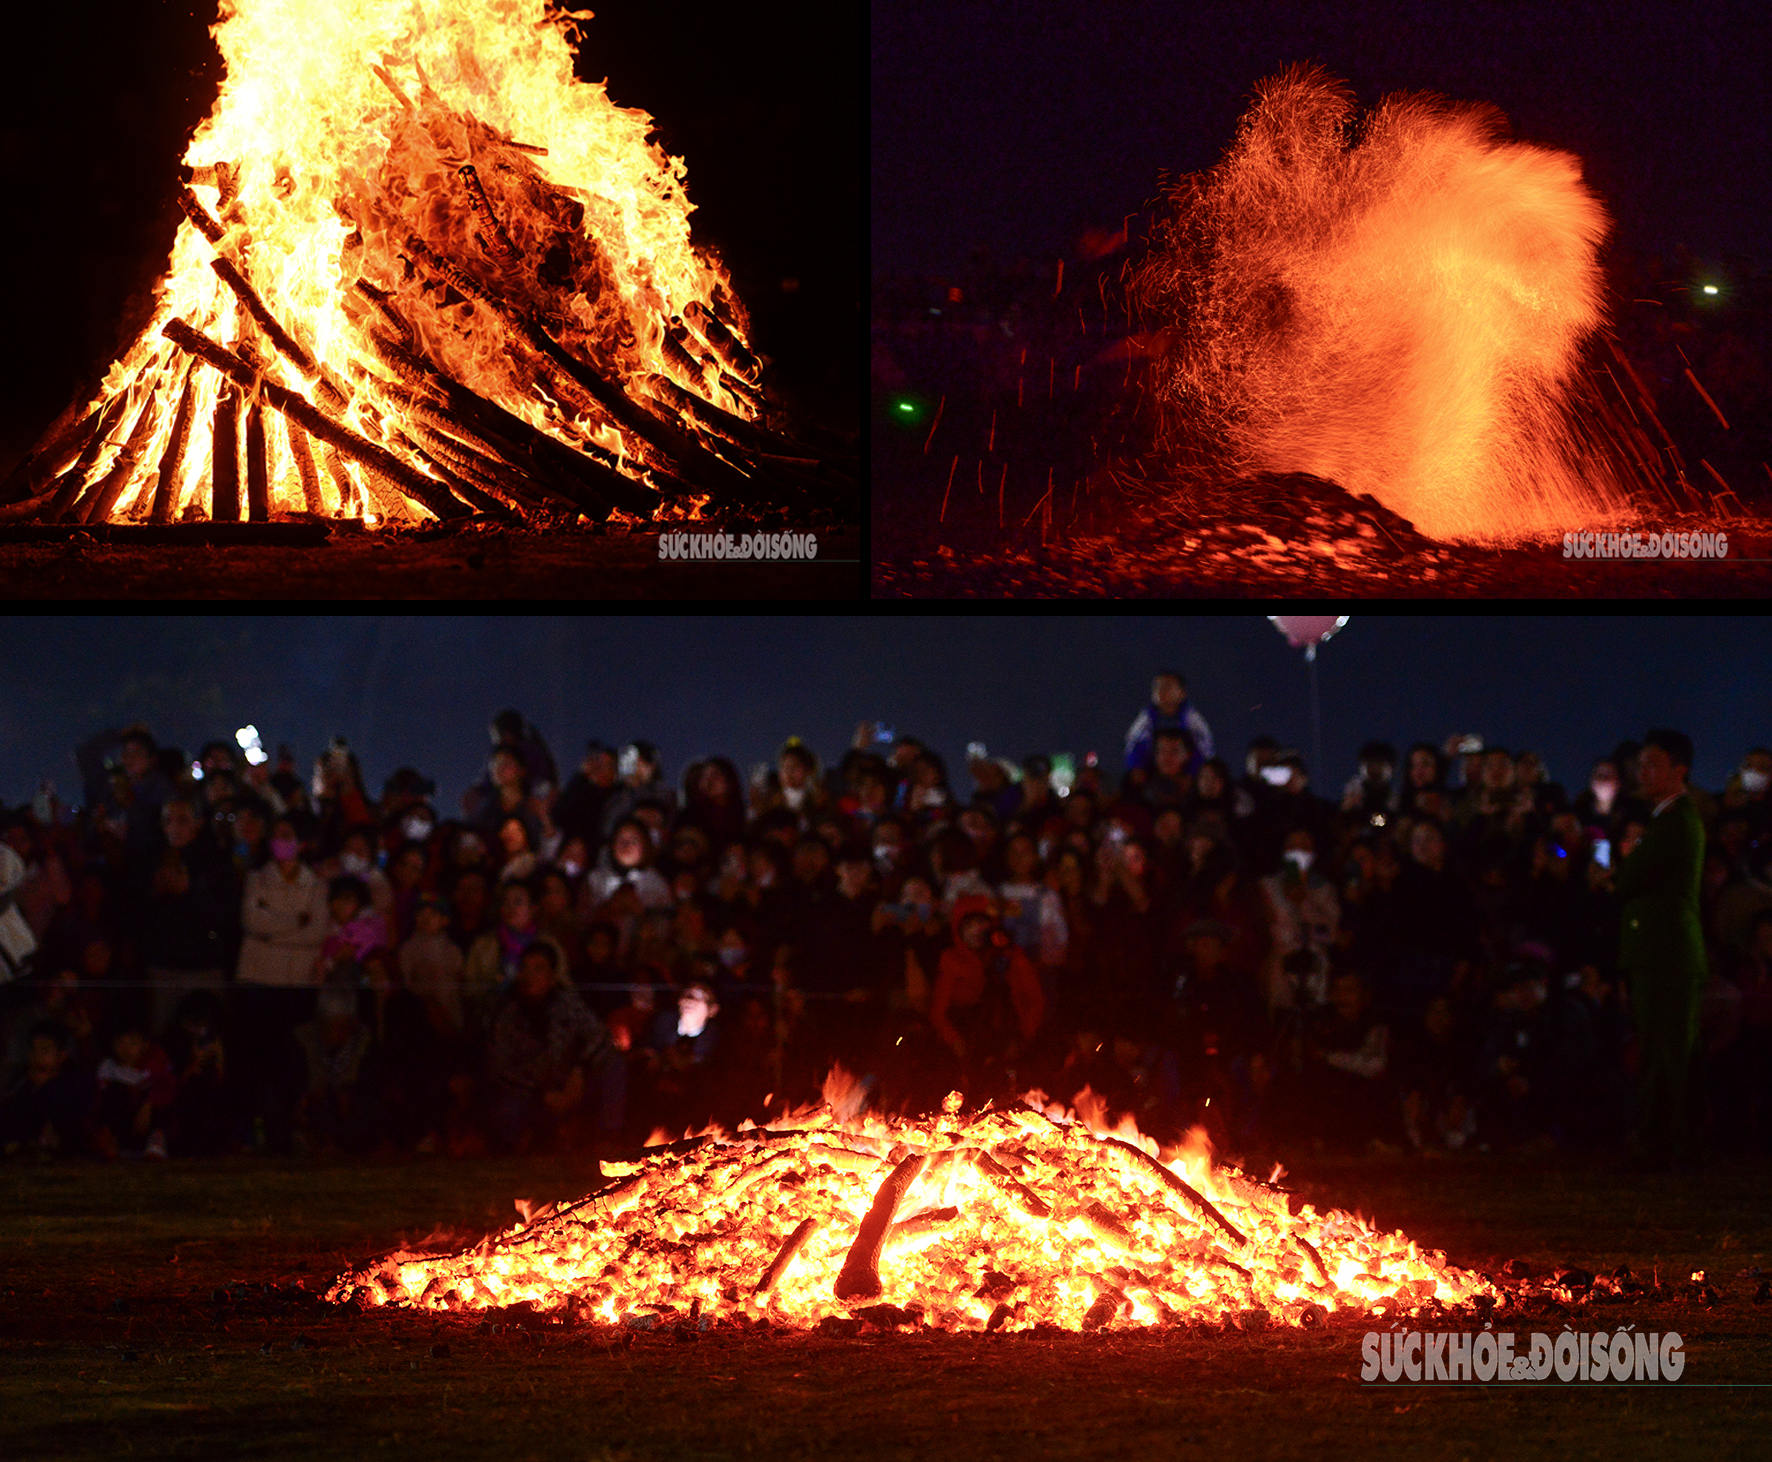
[423, 274]
[1001, 1220]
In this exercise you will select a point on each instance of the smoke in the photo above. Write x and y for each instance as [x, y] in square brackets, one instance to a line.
[1397, 302]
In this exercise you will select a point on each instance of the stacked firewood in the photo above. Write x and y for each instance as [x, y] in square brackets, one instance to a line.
[229, 415]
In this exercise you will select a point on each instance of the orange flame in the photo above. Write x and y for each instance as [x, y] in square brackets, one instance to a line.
[343, 133]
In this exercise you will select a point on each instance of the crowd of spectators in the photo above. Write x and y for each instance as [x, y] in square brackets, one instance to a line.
[220, 955]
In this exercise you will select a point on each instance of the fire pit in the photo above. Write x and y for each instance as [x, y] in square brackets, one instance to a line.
[425, 276]
[1000, 1220]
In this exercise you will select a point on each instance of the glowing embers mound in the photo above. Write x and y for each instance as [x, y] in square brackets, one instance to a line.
[1399, 302]
[1006, 1219]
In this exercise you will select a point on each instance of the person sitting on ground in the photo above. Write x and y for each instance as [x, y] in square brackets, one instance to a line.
[47, 1107]
[136, 1091]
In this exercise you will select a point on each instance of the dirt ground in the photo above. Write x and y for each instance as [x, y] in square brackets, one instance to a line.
[167, 1311]
[479, 564]
[1293, 537]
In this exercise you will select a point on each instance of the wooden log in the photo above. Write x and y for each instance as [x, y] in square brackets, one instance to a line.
[459, 483]
[502, 244]
[735, 428]
[101, 497]
[1316, 1258]
[68, 487]
[285, 343]
[590, 479]
[725, 344]
[166, 485]
[414, 484]
[688, 457]
[860, 1278]
[678, 356]
[930, 1220]
[201, 218]
[56, 450]
[784, 1256]
[224, 463]
[1005, 1182]
[303, 452]
[1107, 1304]
[1199, 1204]
[258, 478]
[30, 507]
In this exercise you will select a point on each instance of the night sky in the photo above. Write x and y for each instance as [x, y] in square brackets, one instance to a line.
[98, 101]
[422, 690]
[1015, 124]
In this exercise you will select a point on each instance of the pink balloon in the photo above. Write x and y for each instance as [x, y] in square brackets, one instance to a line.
[1305, 630]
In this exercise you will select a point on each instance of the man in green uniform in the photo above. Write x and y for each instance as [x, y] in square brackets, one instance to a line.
[1661, 946]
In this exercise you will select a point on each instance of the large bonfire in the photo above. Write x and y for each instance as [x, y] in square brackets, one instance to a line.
[424, 273]
[1003, 1219]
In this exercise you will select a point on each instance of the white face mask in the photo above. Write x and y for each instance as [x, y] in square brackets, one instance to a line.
[1300, 858]
[1753, 780]
[357, 863]
[572, 868]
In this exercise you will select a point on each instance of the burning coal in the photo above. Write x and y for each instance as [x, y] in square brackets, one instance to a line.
[1397, 302]
[1003, 1219]
[426, 274]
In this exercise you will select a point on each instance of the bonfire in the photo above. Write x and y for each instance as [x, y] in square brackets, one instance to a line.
[425, 274]
[1001, 1219]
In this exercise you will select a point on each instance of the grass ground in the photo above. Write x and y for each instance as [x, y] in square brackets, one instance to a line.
[113, 1341]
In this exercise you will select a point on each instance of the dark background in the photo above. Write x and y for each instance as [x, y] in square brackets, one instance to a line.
[98, 101]
[421, 690]
[1015, 124]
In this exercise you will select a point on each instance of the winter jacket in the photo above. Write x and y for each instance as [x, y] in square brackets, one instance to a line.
[285, 923]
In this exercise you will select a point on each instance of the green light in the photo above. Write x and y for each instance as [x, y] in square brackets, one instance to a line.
[906, 405]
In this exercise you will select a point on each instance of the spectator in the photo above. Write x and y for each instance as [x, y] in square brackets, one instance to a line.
[430, 966]
[136, 1090]
[627, 863]
[43, 888]
[684, 1044]
[508, 796]
[551, 1060]
[642, 781]
[1032, 912]
[986, 1006]
[356, 927]
[578, 811]
[336, 1112]
[190, 921]
[1369, 797]
[528, 754]
[1304, 917]
[1348, 1084]
[1169, 707]
[340, 802]
[470, 908]
[713, 801]
[128, 791]
[18, 945]
[1221, 1036]
[493, 963]
[1662, 945]
[1424, 782]
[47, 1106]
[283, 915]
[205, 1116]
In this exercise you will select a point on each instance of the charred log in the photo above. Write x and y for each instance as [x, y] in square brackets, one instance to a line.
[224, 471]
[166, 485]
[784, 1256]
[410, 482]
[860, 1278]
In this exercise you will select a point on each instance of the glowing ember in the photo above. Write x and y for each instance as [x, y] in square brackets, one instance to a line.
[1005, 1219]
[423, 273]
[1403, 314]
